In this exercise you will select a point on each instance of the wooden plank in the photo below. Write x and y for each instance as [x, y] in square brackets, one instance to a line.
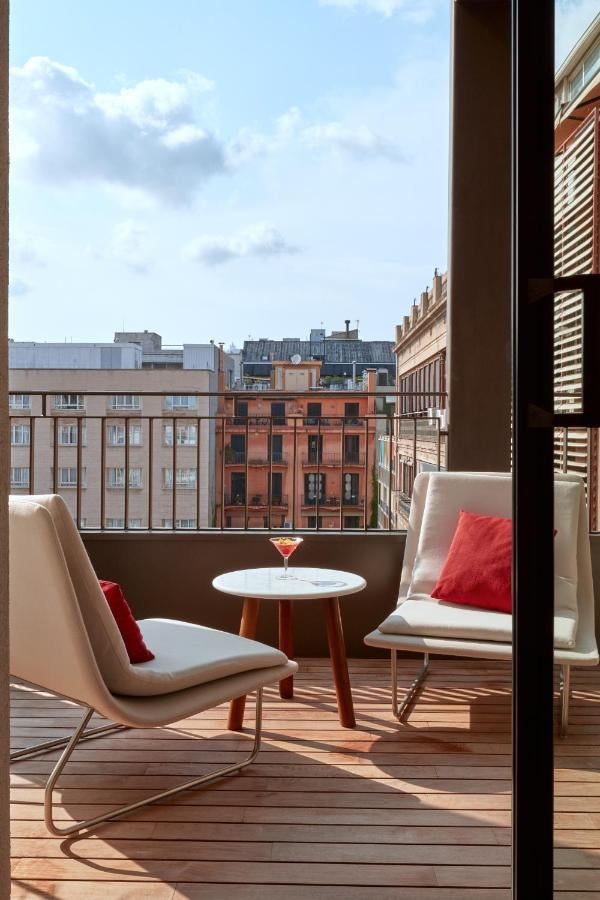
[419, 812]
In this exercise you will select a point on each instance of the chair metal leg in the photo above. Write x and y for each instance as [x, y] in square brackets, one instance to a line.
[564, 676]
[400, 710]
[130, 807]
[28, 752]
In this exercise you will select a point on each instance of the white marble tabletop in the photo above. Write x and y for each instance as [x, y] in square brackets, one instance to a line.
[303, 583]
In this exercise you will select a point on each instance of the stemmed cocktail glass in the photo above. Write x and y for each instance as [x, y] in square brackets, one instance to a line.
[286, 546]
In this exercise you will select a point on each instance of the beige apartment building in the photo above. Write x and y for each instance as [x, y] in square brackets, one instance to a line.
[418, 439]
[577, 243]
[123, 431]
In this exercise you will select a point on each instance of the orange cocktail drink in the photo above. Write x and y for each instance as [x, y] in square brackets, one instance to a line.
[286, 546]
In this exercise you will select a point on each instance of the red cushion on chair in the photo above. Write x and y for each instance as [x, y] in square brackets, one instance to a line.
[478, 568]
[129, 628]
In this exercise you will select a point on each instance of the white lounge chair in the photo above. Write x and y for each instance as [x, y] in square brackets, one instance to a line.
[64, 638]
[424, 625]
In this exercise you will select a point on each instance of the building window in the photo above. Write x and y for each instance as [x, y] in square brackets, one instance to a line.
[116, 477]
[120, 523]
[241, 412]
[238, 488]
[315, 522]
[67, 477]
[313, 412]
[179, 523]
[181, 401]
[351, 449]
[67, 435]
[315, 448]
[276, 488]
[69, 401]
[585, 73]
[276, 448]
[350, 488]
[19, 401]
[314, 487]
[187, 435]
[125, 401]
[19, 435]
[351, 521]
[278, 413]
[185, 478]
[19, 477]
[407, 479]
[351, 413]
[236, 451]
[116, 435]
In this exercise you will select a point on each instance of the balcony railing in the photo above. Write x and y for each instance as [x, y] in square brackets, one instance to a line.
[334, 460]
[199, 480]
[256, 501]
[234, 457]
[332, 500]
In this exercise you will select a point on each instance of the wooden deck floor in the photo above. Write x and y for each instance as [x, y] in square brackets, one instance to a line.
[420, 812]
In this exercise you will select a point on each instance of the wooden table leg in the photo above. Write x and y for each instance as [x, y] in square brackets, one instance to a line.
[286, 645]
[235, 721]
[337, 652]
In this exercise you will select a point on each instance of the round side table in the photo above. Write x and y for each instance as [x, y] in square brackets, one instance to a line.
[328, 585]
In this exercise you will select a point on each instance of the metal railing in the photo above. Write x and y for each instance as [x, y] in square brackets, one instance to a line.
[255, 500]
[201, 478]
[329, 501]
[334, 460]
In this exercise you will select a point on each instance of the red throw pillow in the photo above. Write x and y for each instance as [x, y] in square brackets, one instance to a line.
[129, 628]
[478, 568]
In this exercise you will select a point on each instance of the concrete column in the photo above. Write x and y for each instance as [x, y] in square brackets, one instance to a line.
[479, 302]
[4, 457]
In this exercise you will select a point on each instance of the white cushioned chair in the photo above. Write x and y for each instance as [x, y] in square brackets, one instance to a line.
[65, 639]
[421, 624]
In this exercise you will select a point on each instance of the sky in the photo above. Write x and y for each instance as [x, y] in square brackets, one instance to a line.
[227, 169]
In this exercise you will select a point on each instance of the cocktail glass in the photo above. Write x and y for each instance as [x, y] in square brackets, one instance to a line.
[286, 546]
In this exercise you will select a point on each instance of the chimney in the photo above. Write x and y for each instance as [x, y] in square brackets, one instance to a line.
[437, 286]
[371, 387]
[347, 321]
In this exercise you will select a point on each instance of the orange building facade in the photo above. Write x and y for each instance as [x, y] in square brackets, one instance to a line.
[290, 460]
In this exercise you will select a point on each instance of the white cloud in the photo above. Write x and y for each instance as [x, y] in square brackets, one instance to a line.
[146, 142]
[416, 11]
[356, 140]
[144, 138]
[131, 246]
[259, 240]
[360, 142]
[572, 19]
[23, 251]
[18, 288]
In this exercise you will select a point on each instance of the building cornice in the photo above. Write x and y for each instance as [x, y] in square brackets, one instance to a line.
[433, 313]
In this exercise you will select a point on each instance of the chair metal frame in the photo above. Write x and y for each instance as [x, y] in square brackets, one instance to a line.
[402, 708]
[80, 734]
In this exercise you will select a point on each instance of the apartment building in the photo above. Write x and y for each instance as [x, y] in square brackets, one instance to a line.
[122, 431]
[417, 440]
[297, 451]
[343, 355]
[577, 243]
